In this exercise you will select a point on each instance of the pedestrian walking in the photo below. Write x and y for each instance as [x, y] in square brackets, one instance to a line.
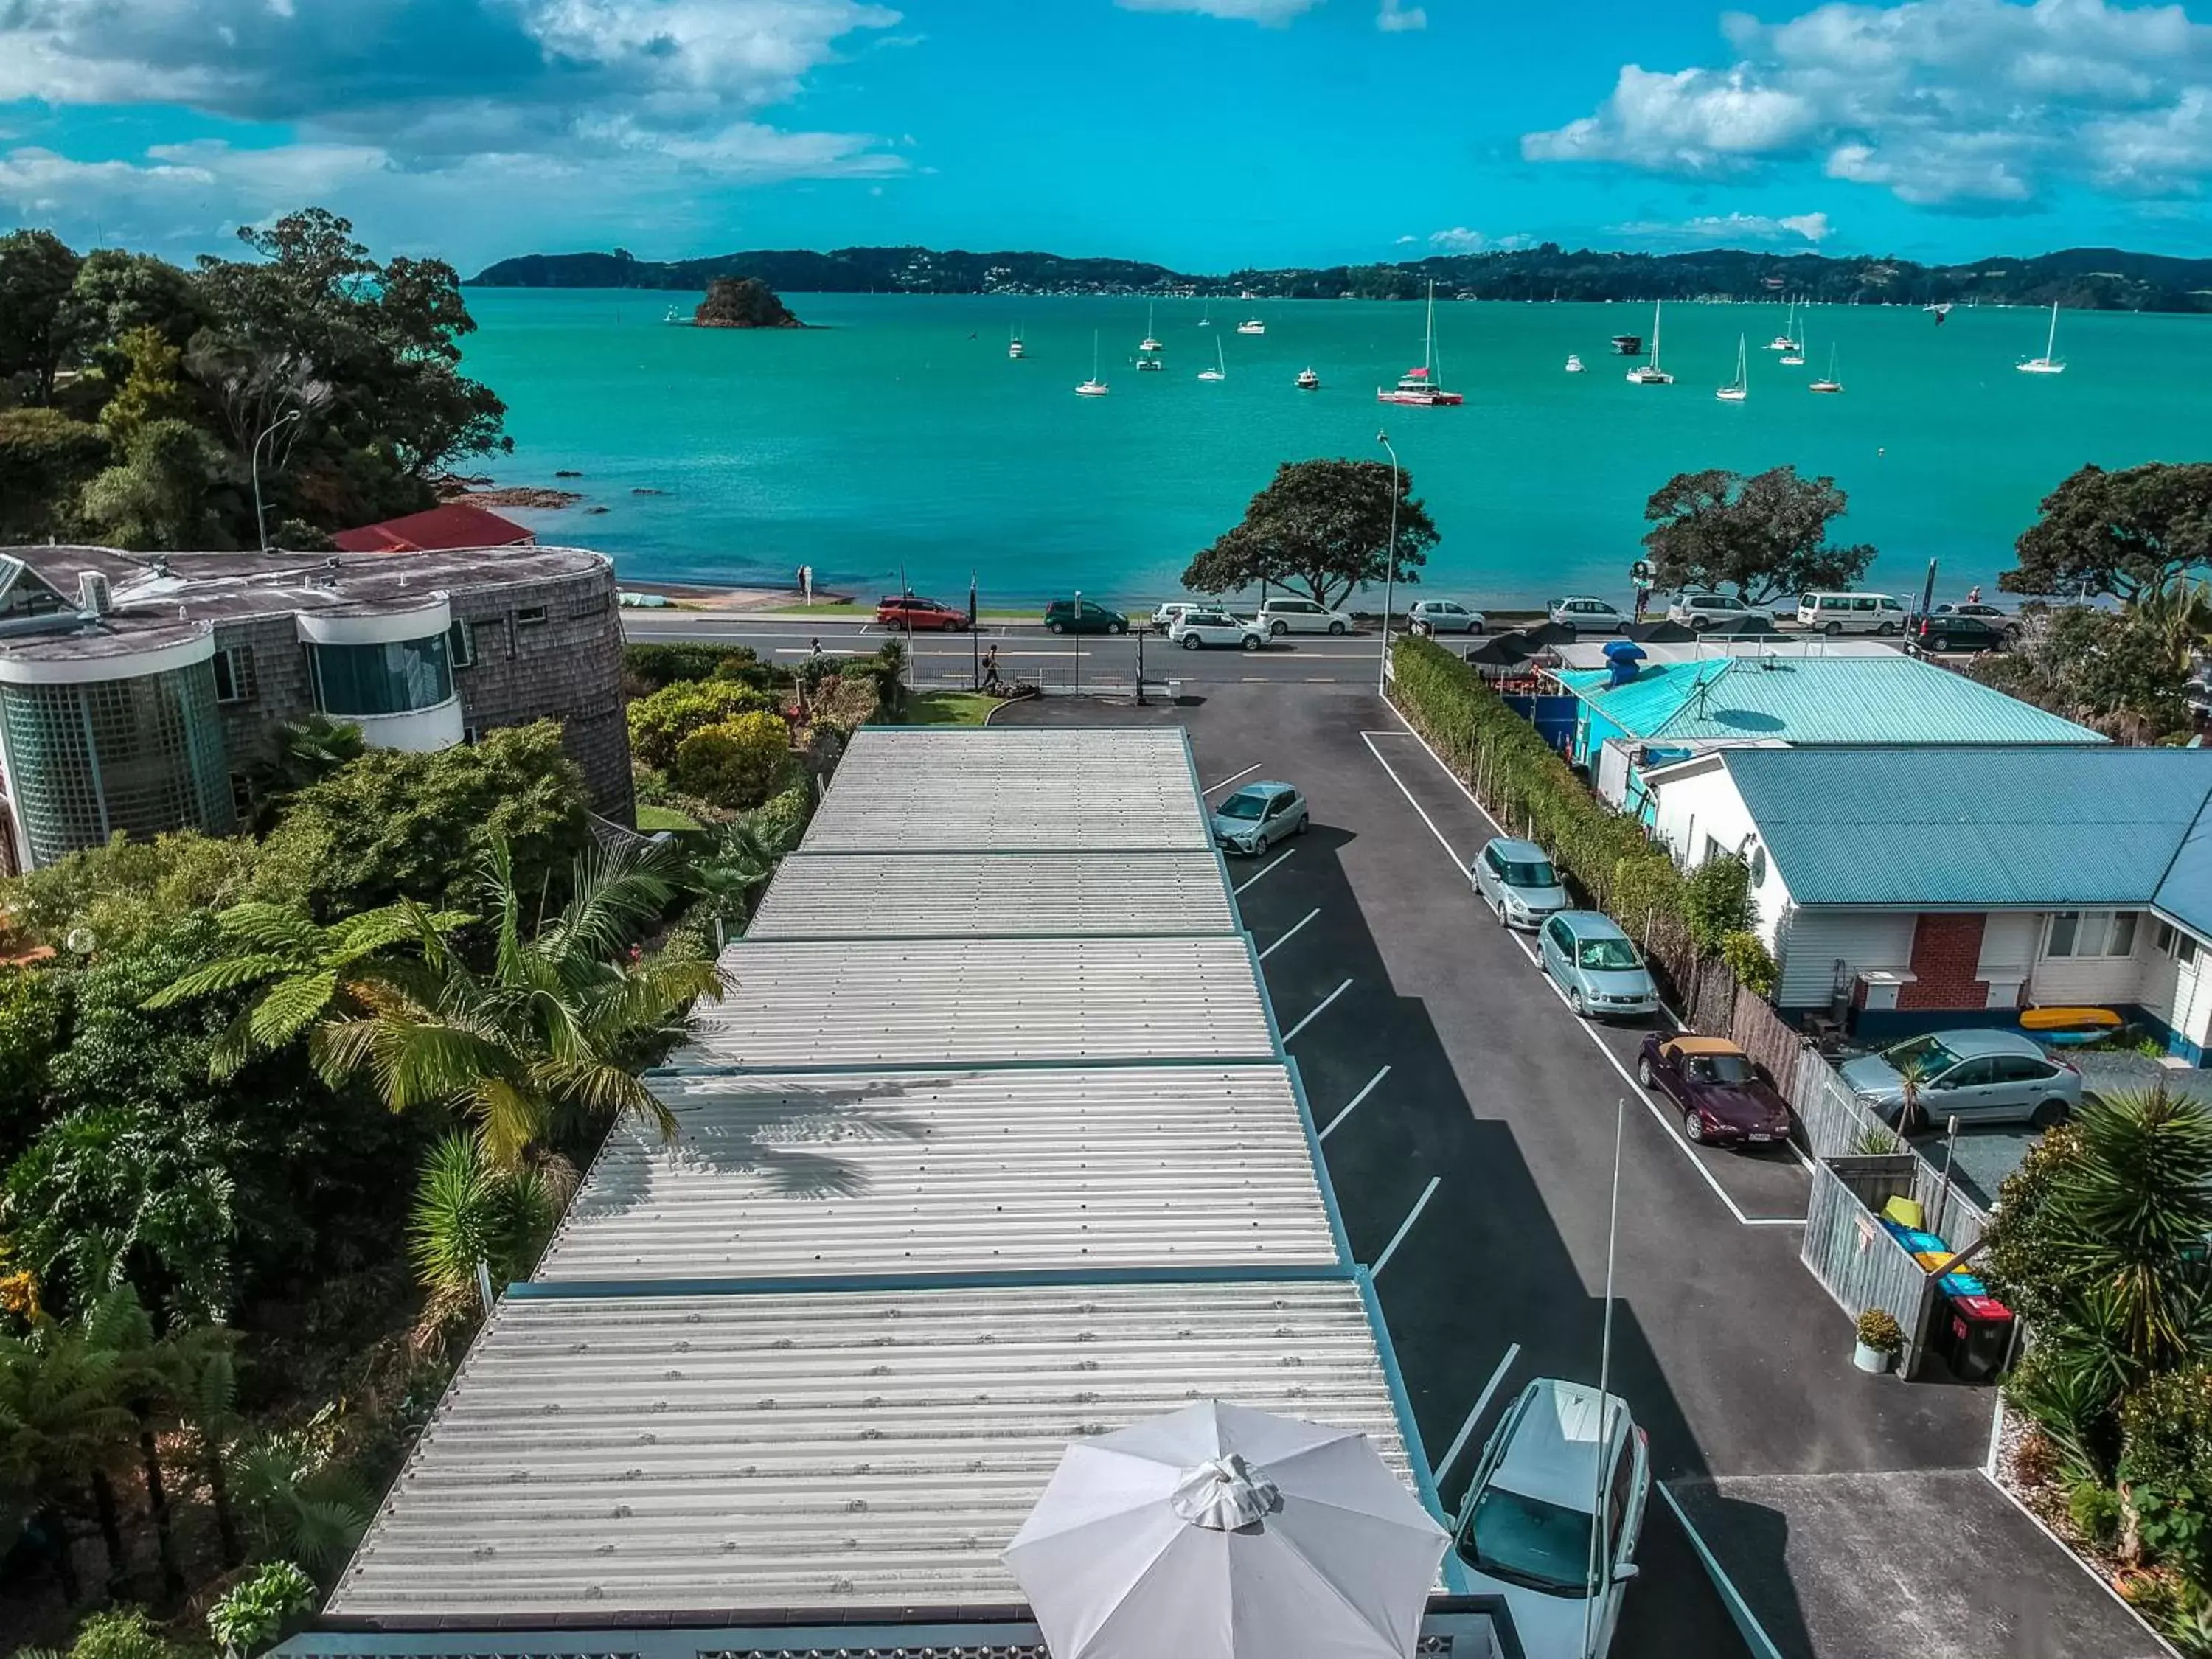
[1974, 594]
[814, 648]
[806, 583]
[990, 670]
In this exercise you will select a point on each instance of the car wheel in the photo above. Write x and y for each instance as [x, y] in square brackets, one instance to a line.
[1277, 630]
[1190, 641]
[1693, 1127]
[1250, 642]
[1575, 1001]
[1055, 627]
[1832, 630]
[2050, 1115]
[1119, 628]
[1336, 627]
[1940, 644]
[1699, 624]
[1886, 630]
[1417, 626]
[1644, 1073]
[1303, 820]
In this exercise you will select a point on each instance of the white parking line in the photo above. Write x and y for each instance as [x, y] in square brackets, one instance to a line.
[1318, 1006]
[1482, 1405]
[1405, 1226]
[1261, 872]
[1232, 778]
[1356, 1099]
[1595, 1041]
[1285, 938]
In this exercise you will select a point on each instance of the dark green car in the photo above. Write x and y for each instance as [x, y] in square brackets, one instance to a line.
[1082, 617]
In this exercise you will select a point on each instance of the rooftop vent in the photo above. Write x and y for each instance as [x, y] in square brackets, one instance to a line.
[94, 595]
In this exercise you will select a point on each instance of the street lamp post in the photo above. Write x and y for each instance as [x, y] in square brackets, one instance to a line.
[253, 462]
[1075, 644]
[1389, 572]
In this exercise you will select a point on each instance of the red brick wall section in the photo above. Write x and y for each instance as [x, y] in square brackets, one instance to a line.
[1947, 950]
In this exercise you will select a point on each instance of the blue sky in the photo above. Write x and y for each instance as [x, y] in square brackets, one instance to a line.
[1202, 133]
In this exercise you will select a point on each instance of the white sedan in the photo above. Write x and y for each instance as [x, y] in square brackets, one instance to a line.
[1442, 616]
[1195, 628]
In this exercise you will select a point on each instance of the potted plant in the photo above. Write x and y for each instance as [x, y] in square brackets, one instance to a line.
[1880, 1340]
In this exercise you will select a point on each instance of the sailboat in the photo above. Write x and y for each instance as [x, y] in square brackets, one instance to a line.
[1829, 383]
[1093, 387]
[1651, 374]
[1014, 347]
[1740, 388]
[673, 316]
[1308, 380]
[1206, 317]
[1220, 369]
[1422, 387]
[1148, 349]
[1787, 341]
[1251, 325]
[2046, 364]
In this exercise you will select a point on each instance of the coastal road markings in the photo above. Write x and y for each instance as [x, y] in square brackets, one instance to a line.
[1596, 1042]
[1286, 937]
[1354, 1105]
[1405, 1226]
[1482, 1405]
[1317, 1008]
[1262, 871]
[1232, 778]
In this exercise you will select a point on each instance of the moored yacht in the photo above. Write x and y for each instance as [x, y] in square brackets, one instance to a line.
[1649, 373]
[1308, 380]
[1422, 387]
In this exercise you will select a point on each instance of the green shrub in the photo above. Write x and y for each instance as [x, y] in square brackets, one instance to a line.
[659, 723]
[32, 1002]
[734, 763]
[122, 1634]
[127, 888]
[257, 1612]
[2165, 1459]
[651, 667]
[1717, 902]
[1878, 1329]
[1749, 960]
[2095, 1511]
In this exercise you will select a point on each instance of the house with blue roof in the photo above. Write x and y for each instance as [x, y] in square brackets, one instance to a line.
[1915, 886]
[1641, 715]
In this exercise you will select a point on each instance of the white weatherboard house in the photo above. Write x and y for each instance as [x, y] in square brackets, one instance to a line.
[1926, 883]
[959, 1180]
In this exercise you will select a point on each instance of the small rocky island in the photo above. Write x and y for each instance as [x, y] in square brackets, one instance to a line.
[742, 302]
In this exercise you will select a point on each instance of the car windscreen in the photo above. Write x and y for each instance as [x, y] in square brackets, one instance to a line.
[1525, 1540]
[1243, 805]
[1929, 1054]
[1731, 1070]
[1531, 873]
[1606, 955]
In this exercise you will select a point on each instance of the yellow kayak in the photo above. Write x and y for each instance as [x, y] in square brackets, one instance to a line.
[2063, 1025]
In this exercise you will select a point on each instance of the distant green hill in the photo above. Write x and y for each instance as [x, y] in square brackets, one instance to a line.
[2098, 279]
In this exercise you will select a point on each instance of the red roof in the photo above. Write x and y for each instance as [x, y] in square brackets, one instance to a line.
[455, 524]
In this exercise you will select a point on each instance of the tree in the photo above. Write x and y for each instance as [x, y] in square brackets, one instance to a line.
[46, 460]
[1322, 528]
[742, 302]
[126, 888]
[159, 496]
[735, 763]
[555, 1026]
[115, 291]
[662, 721]
[33, 1005]
[468, 1212]
[152, 388]
[2126, 533]
[300, 751]
[297, 1501]
[2126, 674]
[37, 270]
[1760, 537]
[61, 1420]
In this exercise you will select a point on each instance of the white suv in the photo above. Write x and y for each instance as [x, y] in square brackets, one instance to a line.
[1195, 628]
[1698, 611]
[1284, 615]
[1442, 616]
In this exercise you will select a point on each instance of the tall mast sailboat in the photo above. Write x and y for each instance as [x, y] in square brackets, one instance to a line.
[1649, 373]
[1740, 388]
[1422, 387]
[1148, 349]
[1093, 387]
[1787, 341]
[1014, 346]
[2047, 364]
[1220, 369]
[1828, 382]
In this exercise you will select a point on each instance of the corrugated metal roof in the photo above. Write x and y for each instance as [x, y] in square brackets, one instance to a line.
[1964, 826]
[850, 1450]
[2185, 891]
[918, 895]
[1016, 789]
[952, 1002]
[1134, 1166]
[1887, 699]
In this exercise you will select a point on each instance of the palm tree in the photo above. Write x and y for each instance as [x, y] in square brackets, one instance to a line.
[117, 1322]
[468, 1213]
[62, 1418]
[302, 751]
[555, 1025]
[204, 1359]
[739, 863]
[299, 1506]
[302, 969]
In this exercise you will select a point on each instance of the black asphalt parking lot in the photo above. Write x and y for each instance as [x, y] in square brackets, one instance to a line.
[1402, 998]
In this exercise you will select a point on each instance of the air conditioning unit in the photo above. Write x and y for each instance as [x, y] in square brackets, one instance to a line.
[93, 593]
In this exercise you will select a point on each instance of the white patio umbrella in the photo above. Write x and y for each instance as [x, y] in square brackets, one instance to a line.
[1221, 1532]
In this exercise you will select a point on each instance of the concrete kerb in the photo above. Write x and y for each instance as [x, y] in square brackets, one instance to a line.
[1740, 1613]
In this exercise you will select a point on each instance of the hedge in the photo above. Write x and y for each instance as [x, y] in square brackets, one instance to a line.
[1530, 790]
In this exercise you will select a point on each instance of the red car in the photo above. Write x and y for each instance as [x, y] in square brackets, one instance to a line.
[910, 612]
[1712, 1083]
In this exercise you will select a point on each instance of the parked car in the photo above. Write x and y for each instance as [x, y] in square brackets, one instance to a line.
[1939, 633]
[1170, 612]
[2008, 620]
[1719, 1092]
[1516, 879]
[1584, 614]
[1979, 1075]
[1850, 613]
[1066, 616]
[1698, 611]
[1442, 616]
[1525, 1529]
[1595, 963]
[1284, 615]
[1258, 816]
[1196, 628]
[912, 613]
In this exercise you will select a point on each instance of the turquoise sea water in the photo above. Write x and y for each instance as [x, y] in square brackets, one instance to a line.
[898, 433]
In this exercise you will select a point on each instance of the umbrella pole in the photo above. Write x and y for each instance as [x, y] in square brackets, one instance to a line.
[1604, 1391]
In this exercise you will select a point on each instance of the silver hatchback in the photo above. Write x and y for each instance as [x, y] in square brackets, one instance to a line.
[1976, 1076]
[1516, 879]
[1597, 964]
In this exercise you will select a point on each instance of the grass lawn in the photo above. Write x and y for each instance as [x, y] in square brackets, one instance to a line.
[652, 818]
[949, 708]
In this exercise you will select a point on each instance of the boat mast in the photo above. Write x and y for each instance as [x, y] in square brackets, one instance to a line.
[2051, 342]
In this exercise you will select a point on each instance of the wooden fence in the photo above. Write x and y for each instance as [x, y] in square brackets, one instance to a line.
[1860, 1263]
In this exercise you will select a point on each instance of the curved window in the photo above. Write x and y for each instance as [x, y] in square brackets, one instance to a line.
[397, 679]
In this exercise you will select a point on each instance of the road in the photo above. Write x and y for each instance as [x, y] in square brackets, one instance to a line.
[1026, 651]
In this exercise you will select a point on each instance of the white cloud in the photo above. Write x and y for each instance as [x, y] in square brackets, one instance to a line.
[1397, 18]
[1272, 13]
[1966, 103]
[1712, 228]
[1460, 239]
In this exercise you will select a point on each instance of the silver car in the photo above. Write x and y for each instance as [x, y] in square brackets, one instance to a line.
[1258, 816]
[1978, 1076]
[1442, 616]
[1587, 615]
[1698, 611]
[1595, 963]
[1516, 879]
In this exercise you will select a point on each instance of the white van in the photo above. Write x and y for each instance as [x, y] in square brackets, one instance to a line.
[1850, 613]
